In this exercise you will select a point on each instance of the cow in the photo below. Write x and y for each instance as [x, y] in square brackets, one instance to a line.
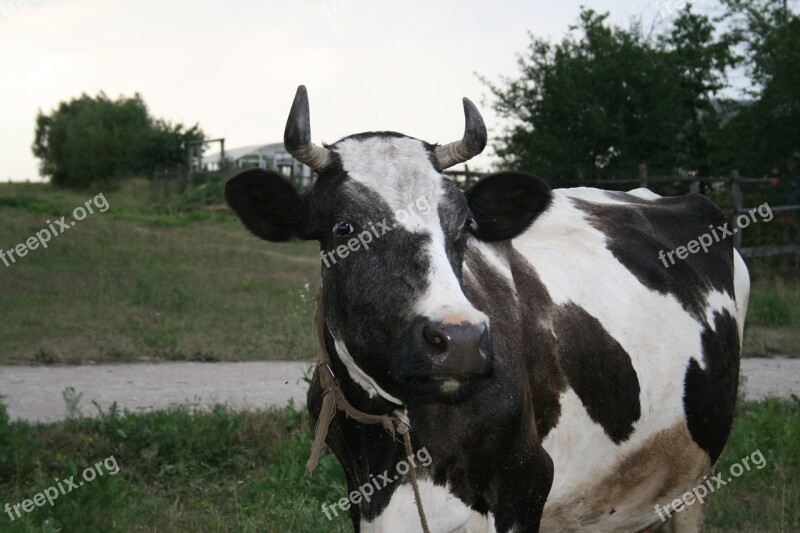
[557, 372]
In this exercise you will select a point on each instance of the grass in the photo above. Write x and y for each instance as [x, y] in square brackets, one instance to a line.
[134, 283]
[179, 470]
[220, 470]
[766, 499]
[773, 318]
[159, 280]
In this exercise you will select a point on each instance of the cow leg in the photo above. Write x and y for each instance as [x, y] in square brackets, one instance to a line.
[522, 490]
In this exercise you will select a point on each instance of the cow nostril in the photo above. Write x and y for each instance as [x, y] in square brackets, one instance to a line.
[435, 338]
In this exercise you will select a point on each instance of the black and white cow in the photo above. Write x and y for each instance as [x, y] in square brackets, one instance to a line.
[558, 375]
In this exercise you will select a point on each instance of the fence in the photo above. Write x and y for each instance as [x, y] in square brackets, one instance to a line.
[167, 181]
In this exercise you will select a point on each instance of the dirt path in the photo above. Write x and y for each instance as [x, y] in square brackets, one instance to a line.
[35, 393]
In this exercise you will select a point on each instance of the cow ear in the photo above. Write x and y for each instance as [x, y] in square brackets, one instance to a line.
[503, 205]
[268, 205]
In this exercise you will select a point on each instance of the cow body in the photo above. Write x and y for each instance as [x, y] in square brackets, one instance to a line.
[628, 379]
[557, 374]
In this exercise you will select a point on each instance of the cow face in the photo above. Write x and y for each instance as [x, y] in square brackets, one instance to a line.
[393, 233]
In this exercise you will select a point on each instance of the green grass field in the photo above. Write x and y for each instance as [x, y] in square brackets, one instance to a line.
[132, 284]
[181, 470]
[145, 281]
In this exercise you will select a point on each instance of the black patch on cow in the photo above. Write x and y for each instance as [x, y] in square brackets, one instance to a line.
[535, 340]
[709, 396]
[637, 232]
[599, 370]
[566, 345]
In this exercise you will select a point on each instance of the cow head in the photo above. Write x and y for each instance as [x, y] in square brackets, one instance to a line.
[393, 233]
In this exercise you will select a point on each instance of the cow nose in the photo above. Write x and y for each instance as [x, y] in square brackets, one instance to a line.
[458, 350]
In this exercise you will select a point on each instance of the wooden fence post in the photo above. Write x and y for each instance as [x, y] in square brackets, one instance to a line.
[738, 203]
[643, 175]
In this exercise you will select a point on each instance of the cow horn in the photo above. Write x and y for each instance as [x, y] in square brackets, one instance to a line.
[297, 136]
[472, 144]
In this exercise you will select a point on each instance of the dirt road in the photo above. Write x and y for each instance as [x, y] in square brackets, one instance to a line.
[35, 393]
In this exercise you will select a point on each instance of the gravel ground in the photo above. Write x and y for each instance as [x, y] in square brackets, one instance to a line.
[35, 393]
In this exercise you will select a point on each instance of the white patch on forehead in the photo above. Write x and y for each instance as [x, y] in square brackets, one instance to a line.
[399, 170]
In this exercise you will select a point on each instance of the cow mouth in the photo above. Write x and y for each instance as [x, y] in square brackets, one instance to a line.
[449, 386]
[452, 387]
[450, 366]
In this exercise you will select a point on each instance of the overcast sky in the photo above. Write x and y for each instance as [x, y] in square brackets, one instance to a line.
[233, 67]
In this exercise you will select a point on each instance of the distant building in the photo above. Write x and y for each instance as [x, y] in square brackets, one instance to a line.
[267, 156]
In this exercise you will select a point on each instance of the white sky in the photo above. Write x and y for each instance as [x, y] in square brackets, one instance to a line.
[234, 66]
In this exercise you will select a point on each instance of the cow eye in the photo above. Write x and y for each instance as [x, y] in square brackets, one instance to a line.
[342, 229]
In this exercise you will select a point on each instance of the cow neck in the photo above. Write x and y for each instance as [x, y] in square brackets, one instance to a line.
[333, 398]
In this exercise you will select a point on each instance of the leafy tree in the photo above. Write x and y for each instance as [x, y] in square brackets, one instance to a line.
[98, 140]
[764, 137]
[601, 102]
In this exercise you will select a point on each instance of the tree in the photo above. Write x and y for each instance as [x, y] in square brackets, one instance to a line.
[764, 137]
[97, 140]
[605, 100]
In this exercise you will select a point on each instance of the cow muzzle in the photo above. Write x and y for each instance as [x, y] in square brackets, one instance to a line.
[457, 351]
